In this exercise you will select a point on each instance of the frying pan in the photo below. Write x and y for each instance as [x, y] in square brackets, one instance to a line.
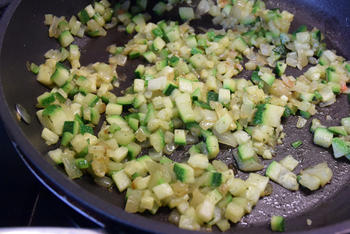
[24, 37]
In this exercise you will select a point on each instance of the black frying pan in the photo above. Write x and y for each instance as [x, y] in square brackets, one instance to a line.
[23, 37]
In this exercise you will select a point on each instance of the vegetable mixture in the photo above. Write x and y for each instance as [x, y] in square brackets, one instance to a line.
[188, 93]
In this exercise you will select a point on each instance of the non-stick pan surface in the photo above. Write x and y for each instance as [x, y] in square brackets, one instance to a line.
[24, 37]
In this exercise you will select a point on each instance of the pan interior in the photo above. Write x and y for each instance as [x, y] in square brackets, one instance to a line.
[26, 39]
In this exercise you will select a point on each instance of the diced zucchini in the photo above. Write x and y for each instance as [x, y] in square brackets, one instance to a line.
[340, 147]
[142, 4]
[53, 117]
[258, 181]
[277, 223]
[268, 78]
[91, 99]
[140, 70]
[56, 155]
[118, 120]
[160, 65]
[236, 186]
[61, 75]
[212, 146]
[226, 10]
[246, 151]
[185, 85]
[198, 161]
[321, 171]
[289, 162]
[157, 83]
[65, 38]
[150, 56]
[346, 123]
[180, 136]
[169, 89]
[215, 179]
[126, 100]
[212, 96]
[340, 130]
[331, 75]
[83, 16]
[198, 60]
[239, 44]
[134, 54]
[252, 164]
[205, 210]
[119, 154]
[184, 105]
[234, 212]
[124, 136]
[308, 97]
[113, 109]
[184, 173]
[159, 8]
[139, 100]
[121, 180]
[133, 123]
[196, 94]
[316, 124]
[214, 196]
[82, 163]
[49, 136]
[158, 44]
[224, 96]
[130, 28]
[59, 97]
[280, 68]
[230, 84]
[99, 19]
[323, 137]
[191, 41]
[172, 33]
[70, 128]
[296, 144]
[133, 150]
[46, 99]
[163, 191]
[139, 20]
[157, 32]
[268, 114]
[34, 68]
[282, 176]
[309, 181]
[186, 13]
[86, 129]
[149, 114]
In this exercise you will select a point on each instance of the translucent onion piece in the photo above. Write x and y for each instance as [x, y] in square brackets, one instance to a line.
[104, 182]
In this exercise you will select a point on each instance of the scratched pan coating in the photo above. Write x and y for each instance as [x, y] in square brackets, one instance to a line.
[23, 37]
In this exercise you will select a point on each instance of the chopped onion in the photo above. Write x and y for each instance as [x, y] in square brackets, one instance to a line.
[292, 59]
[190, 139]
[120, 59]
[203, 7]
[301, 122]
[169, 148]
[266, 49]
[174, 217]
[227, 139]
[105, 182]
